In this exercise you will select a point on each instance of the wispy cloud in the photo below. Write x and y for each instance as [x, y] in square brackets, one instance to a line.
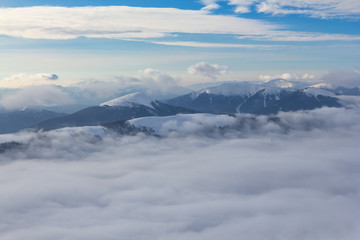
[288, 36]
[34, 96]
[121, 22]
[312, 8]
[210, 5]
[22, 80]
[242, 6]
[216, 45]
[149, 81]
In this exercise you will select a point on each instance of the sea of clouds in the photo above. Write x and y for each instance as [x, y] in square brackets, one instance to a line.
[295, 177]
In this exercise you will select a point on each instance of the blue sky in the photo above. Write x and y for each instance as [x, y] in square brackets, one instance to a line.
[252, 38]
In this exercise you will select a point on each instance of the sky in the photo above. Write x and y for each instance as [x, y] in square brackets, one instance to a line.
[86, 40]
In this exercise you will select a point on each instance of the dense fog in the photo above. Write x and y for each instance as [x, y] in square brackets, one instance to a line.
[295, 177]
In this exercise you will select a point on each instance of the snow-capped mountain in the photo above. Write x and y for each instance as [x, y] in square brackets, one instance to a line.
[227, 98]
[130, 100]
[228, 89]
[119, 109]
[257, 98]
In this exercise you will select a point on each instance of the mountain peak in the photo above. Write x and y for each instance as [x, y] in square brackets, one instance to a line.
[129, 101]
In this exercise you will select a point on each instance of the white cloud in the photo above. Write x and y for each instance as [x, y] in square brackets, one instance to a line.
[302, 185]
[208, 70]
[210, 5]
[156, 81]
[121, 22]
[107, 87]
[308, 76]
[288, 76]
[313, 8]
[23, 80]
[343, 77]
[150, 81]
[34, 96]
[242, 6]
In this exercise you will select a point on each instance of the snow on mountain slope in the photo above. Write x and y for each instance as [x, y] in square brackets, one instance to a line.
[182, 123]
[129, 101]
[322, 85]
[274, 87]
[229, 89]
[259, 98]
[247, 89]
[313, 91]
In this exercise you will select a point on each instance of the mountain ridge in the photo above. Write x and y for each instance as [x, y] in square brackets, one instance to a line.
[119, 109]
[257, 98]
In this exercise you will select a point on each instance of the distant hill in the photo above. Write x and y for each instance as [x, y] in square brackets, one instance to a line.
[17, 120]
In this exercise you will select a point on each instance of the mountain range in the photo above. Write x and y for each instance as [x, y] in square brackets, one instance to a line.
[258, 98]
[227, 98]
[119, 109]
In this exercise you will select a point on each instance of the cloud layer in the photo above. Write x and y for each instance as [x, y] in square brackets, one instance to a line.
[302, 185]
